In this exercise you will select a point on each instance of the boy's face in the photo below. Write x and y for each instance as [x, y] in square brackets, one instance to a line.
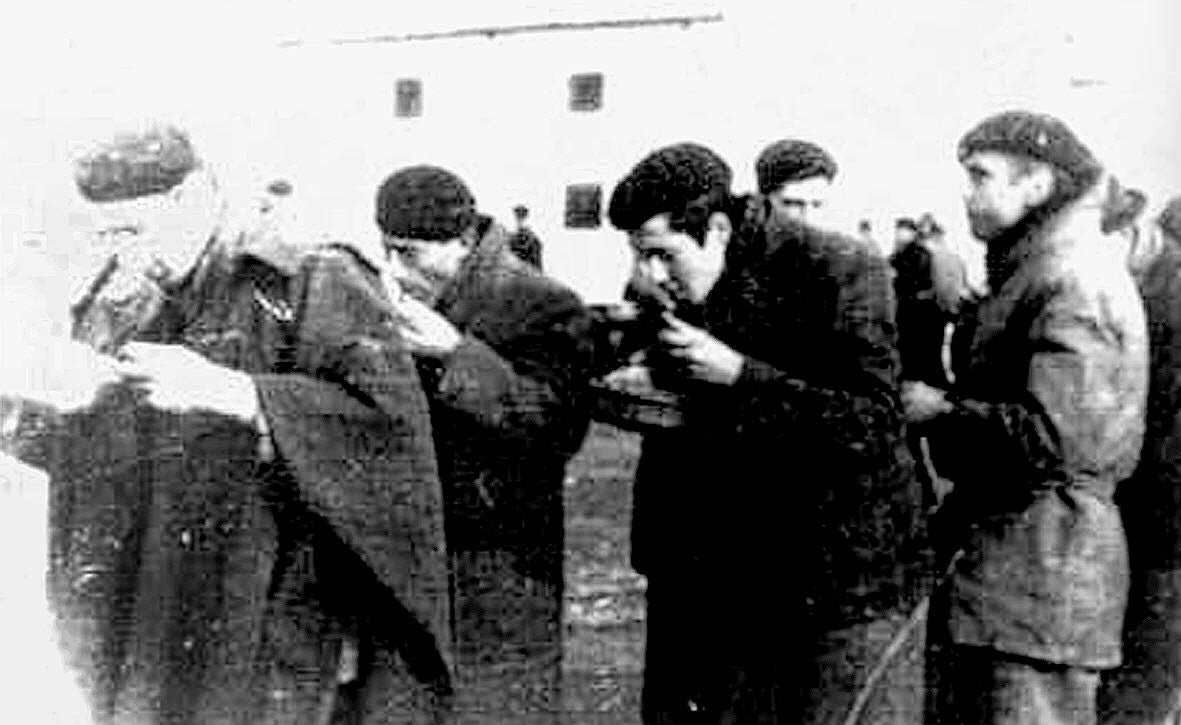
[670, 265]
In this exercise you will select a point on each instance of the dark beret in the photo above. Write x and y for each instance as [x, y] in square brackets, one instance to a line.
[792, 160]
[425, 202]
[1037, 136]
[136, 164]
[667, 181]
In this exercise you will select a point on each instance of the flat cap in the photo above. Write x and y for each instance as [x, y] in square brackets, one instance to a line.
[136, 164]
[792, 159]
[424, 202]
[1035, 135]
[667, 181]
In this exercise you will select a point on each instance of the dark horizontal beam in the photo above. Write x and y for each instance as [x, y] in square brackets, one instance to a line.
[493, 31]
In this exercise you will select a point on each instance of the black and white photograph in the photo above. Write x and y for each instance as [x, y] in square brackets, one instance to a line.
[662, 362]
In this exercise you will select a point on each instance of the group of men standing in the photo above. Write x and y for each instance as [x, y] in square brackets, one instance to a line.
[295, 485]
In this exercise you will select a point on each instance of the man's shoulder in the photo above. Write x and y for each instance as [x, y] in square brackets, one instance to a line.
[528, 291]
[844, 254]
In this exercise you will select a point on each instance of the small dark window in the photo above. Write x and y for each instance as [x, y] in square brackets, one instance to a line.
[586, 91]
[584, 206]
[408, 100]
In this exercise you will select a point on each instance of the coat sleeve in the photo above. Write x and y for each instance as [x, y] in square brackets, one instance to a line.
[534, 371]
[854, 407]
[1081, 414]
[352, 426]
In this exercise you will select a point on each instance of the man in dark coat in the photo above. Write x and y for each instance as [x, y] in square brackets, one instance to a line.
[1046, 417]
[246, 517]
[1146, 689]
[523, 242]
[780, 527]
[504, 353]
[924, 309]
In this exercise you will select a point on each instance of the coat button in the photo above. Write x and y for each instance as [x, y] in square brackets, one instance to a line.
[188, 644]
[186, 537]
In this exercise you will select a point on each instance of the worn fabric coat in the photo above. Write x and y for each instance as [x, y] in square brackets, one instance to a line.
[786, 507]
[1049, 417]
[199, 578]
[804, 458]
[1146, 689]
[509, 412]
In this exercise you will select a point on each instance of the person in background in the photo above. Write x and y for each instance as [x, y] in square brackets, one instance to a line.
[920, 320]
[523, 242]
[780, 527]
[795, 177]
[930, 283]
[1146, 688]
[1045, 419]
[245, 508]
[504, 353]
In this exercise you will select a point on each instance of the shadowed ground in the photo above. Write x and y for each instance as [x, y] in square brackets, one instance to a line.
[604, 597]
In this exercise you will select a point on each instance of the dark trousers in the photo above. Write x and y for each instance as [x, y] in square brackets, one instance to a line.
[717, 657]
[508, 631]
[968, 685]
[1146, 688]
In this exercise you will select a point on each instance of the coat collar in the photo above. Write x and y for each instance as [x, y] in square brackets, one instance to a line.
[1045, 234]
[489, 260]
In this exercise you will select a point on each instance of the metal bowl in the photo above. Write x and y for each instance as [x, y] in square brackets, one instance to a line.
[635, 404]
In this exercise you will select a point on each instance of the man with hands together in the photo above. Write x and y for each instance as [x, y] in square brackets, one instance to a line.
[245, 509]
[778, 520]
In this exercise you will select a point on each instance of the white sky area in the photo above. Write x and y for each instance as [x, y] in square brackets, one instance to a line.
[887, 86]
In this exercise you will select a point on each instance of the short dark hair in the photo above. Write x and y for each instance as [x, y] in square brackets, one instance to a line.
[905, 222]
[135, 164]
[792, 160]
[425, 202]
[686, 180]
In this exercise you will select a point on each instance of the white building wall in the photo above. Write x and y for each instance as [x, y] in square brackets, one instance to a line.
[887, 86]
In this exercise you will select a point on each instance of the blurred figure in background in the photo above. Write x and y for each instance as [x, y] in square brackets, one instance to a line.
[1146, 689]
[795, 177]
[865, 233]
[930, 282]
[524, 243]
[504, 353]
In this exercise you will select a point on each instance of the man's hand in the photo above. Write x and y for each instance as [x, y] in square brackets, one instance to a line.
[178, 379]
[922, 403]
[425, 332]
[702, 355]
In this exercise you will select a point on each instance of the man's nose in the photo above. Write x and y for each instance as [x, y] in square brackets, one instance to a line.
[656, 272]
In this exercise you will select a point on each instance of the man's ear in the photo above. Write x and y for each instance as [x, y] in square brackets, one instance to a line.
[719, 229]
[468, 237]
[1039, 185]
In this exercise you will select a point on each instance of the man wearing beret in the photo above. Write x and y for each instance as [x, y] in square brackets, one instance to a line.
[1146, 689]
[795, 177]
[1046, 417]
[504, 353]
[780, 527]
[246, 514]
